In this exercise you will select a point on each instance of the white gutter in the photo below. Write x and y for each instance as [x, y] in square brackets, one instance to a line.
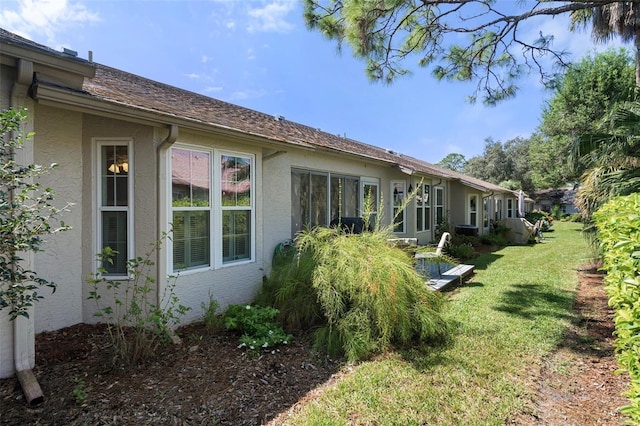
[161, 207]
[24, 352]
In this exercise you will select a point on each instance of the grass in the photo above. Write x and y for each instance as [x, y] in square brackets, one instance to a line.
[511, 314]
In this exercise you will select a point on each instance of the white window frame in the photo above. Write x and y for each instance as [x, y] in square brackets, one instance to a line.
[210, 152]
[98, 143]
[437, 206]
[470, 211]
[364, 182]
[510, 203]
[215, 210]
[423, 205]
[394, 204]
[218, 209]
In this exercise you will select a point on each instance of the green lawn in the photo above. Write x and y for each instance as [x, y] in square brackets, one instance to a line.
[507, 317]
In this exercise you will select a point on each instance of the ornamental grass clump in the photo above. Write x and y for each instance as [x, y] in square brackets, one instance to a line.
[359, 294]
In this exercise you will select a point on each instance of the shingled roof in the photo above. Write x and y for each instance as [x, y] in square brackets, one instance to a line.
[119, 88]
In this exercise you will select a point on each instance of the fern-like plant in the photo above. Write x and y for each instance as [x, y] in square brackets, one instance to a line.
[359, 293]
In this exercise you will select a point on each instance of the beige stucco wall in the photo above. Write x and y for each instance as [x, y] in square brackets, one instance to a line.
[145, 190]
[232, 283]
[58, 140]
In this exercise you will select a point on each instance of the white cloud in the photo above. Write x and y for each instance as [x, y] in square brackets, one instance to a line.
[31, 18]
[271, 18]
[213, 89]
[251, 55]
[247, 94]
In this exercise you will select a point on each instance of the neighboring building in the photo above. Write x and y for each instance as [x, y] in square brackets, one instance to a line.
[139, 158]
[563, 197]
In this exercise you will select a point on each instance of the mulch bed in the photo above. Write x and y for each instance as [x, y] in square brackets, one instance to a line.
[208, 380]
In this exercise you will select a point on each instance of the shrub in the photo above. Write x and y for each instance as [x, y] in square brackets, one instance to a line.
[359, 293]
[618, 224]
[212, 321]
[461, 251]
[547, 219]
[256, 325]
[493, 239]
[137, 327]
[556, 212]
[27, 214]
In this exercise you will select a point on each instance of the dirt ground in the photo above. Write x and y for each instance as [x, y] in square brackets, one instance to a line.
[208, 380]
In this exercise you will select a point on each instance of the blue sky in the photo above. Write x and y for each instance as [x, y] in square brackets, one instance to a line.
[259, 54]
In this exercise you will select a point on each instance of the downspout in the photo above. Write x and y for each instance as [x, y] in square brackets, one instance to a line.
[24, 353]
[161, 208]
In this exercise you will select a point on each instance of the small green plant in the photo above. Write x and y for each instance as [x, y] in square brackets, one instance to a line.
[212, 320]
[257, 326]
[137, 326]
[79, 391]
[27, 213]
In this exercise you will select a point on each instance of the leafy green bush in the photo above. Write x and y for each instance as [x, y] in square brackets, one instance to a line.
[27, 215]
[618, 224]
[461, 251]
[137, 327]
[493, 239]
[574, 217]
[547, 219]
[358, 293]
[556, 212]
[256, 325]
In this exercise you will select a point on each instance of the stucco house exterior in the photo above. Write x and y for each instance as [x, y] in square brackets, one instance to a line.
[139, 158]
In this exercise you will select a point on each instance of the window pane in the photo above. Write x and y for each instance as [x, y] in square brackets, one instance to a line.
[299, 200]
[370, 199]
[398, 199]
[190, 178]
[114, 172]
[337, 185]
[318, 200]
[351, 196]
[236, 235]
[114, 236]
[190, 239]
[235, 180]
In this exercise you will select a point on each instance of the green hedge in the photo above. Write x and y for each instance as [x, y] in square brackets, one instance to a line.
[618, 224]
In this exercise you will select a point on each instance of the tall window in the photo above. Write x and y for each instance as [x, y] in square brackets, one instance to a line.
[114, 205]
[510, 207]
[473, 210]
[498, 209]
[485, 209]
[190, 193]
[369, 202]
[439, 204]
[399, 192]
[237, 207]
[423, 209]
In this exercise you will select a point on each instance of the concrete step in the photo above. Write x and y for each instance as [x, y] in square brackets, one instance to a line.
[451, 276]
